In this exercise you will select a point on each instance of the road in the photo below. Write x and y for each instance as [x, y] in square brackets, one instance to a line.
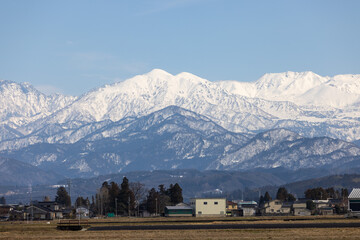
[226, 226]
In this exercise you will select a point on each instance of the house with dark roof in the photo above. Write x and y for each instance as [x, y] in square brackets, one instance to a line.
[276, 207]
[44, 211]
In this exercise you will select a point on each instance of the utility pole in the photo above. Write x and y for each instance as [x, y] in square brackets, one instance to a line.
[115, 207]
[31, 205]
[155, 206]
[69, 185]
[129, 206]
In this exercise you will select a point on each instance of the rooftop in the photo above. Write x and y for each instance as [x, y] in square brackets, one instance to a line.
[355, 193]
[178, 207]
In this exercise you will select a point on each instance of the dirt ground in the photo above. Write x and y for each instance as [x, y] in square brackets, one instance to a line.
[47, 230]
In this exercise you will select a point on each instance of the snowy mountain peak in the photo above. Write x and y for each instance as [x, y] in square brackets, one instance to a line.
[287, 85]
[158, 73]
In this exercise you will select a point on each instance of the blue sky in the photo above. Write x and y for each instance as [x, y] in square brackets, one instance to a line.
[74, 46]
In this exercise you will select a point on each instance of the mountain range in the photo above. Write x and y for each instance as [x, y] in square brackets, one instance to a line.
[161, 121]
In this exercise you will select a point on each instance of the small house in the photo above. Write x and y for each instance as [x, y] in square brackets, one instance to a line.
[326, 211]
[82, 212]
[232, 209]
[5, 211]
[276, 207]
[247, 208]
[44, 211]
[299, 208]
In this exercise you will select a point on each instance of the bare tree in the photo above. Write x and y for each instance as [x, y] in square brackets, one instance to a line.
[139, 193]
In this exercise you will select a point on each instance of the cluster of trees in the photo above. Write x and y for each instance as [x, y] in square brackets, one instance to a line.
[323, 194]
[282, 194]
[112, 198]
[2, 200]
[157, 200]
[62, 197]
[126, 199]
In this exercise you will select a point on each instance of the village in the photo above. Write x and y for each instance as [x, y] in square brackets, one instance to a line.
[348, 206]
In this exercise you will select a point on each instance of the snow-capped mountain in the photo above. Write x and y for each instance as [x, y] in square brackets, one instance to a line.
[209, 124]
[156, 90]
[175, 138]
[304, 88]
[301, 102]
[22, 104]
[167, 139]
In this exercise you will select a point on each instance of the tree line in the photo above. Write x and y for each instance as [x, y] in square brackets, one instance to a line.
[126, 199]
[318, 193]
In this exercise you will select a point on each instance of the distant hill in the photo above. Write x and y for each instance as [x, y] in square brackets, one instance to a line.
[214, 183]
[205, 183]
[14, 172]
[298, 188]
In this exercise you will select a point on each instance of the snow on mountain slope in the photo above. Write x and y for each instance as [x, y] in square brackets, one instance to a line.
[282, 148]
[156, 90]
[276, 86]
[21, 103]
[304, 88]
[339, 92]
[303, 102]
[167, 139]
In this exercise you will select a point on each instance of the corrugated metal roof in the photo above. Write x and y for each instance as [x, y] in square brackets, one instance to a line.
[177, 207]
[355, 193]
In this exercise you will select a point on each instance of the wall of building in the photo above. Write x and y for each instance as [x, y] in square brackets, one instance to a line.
[209, 206]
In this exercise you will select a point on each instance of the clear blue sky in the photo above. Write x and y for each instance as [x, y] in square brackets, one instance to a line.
[74, 46]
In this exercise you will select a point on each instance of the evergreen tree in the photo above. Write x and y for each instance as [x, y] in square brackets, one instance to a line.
[81, 202]
[291, 198]
[163, 199]
[282, 194]
[261, 200]
[2, 200]
[126, 198]
[330, 192]
[175, 193]
[114, 192]
[267, 197]
[62, 197]
[316, 193]
[310, 205]
[152, 201]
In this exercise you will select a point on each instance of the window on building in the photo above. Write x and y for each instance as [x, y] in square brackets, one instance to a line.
[205, 203]
[216, 203]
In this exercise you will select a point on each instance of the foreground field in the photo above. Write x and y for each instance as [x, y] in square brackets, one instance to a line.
[43, 230]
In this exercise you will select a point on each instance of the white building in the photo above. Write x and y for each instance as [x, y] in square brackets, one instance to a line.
[209, 207]
[354, 203]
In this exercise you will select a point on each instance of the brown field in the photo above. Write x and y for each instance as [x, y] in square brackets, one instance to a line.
[43, 230]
